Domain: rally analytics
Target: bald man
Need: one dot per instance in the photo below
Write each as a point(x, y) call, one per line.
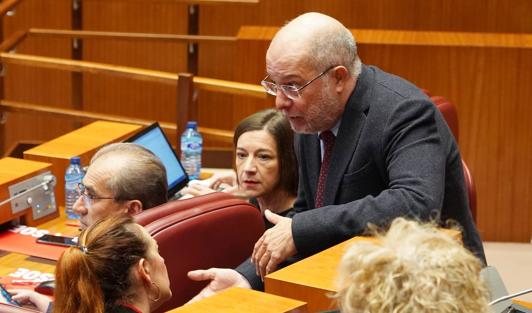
point(371, 147)
point(122, 178)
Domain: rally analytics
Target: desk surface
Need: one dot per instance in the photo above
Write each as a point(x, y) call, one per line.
point(312, 279)
point(83, 140)
point(239, 300)
point(10, 262)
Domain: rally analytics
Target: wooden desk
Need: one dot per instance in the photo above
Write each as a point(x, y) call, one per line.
point(239, 300)
point(312, 279)
point(83, 142)
point(11, 262)
point(13, 171)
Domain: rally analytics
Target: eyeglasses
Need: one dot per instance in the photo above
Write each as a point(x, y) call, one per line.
point(87, 198)
point(290, 91)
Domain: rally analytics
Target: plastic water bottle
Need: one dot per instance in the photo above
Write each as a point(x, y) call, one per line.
point(191, 147)
point(73, 176)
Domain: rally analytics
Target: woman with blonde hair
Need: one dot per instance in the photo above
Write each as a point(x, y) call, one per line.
point(411, 268)
point(116, 268)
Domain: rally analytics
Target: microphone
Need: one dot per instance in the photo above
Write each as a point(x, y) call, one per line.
point(508, 297)
point(48, 182)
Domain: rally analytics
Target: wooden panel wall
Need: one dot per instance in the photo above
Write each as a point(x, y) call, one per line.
point(450, 15)
point(41, 86)
point(494, 126)
point(132, 97)
point(489, 86)
point(238, 63)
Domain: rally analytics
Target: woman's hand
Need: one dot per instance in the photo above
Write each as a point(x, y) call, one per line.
point(196, 190)
point(24, 296)
point(225, 182)
point(222, 180)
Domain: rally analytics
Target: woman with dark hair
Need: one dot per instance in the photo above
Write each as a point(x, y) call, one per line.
point(265, 163)
point(115, 269)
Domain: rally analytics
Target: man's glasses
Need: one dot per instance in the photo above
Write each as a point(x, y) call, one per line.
point(290, 91)
point(87, 198)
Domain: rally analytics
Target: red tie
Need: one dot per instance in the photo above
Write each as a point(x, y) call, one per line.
point(328, 143)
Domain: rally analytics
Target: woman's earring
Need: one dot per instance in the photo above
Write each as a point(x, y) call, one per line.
point(158, 293)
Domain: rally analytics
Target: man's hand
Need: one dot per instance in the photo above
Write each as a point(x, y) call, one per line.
point(24, 296)
point(221, 279)
point(275, 246)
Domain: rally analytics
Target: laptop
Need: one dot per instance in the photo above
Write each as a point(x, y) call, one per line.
point(154, 139)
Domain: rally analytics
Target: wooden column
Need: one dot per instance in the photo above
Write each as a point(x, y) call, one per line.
point(186, 106)
point(193, 29)
point(77, 54)
point(2, 86)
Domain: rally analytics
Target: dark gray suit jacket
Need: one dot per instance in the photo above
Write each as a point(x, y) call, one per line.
point(393, 156)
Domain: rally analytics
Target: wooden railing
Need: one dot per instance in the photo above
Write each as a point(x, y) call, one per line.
point(8, 5)
point(186, 83)
point(186, 107)
point(77, 115)
point(204, 1)
point(85, 34)
point(202, 83)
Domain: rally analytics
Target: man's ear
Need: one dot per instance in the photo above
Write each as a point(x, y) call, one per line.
point(133, 207)
point(341, 74)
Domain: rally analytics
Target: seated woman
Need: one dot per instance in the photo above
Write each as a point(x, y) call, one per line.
point(265, 163)
point(412, 268)
point(115, 269)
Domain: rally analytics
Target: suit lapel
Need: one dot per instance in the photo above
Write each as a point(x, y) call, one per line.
point(348, 136)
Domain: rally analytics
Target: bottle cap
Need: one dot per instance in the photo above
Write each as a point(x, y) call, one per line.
point(75, 160)
point(192, 124)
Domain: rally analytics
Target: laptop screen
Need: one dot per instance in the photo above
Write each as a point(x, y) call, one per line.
point(154, 139)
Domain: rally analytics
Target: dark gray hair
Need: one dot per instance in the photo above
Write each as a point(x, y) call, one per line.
point(141, 177)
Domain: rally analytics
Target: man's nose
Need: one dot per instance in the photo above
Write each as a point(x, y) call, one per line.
point(78, 207)
point(282, 102)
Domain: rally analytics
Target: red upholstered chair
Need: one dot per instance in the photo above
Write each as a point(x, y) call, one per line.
point(215, 230)
point(448, 111)
point(153, 214)
point(471, 190)
point(451, 117)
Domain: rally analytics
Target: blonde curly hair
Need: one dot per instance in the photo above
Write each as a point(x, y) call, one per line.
point(411, 268)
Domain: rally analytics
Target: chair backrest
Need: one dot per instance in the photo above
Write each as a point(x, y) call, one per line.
point(450, 115)
point(153, 214)
point(211, 231)
point(471, 190)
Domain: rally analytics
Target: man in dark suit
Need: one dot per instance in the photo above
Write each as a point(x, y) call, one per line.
point(371, 147)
